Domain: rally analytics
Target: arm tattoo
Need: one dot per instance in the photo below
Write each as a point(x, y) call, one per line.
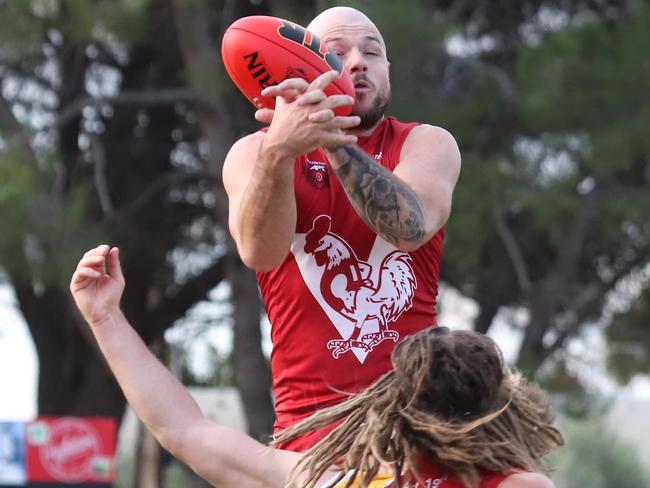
point(384, 202)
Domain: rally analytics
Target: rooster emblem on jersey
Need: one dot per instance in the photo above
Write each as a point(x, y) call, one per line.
point(347, 286)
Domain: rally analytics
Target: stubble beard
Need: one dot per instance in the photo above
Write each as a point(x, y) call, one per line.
point(371, 116)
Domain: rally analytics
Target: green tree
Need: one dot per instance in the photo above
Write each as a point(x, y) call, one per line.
point(101, 141)
point(550, 211)
point(546, 100)
point(114, 118)
point(629, 340)
point(595, 456)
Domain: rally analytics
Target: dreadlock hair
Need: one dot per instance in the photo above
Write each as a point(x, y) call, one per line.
point(447, 398)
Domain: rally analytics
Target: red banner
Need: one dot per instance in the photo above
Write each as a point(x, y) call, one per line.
point(71, 449)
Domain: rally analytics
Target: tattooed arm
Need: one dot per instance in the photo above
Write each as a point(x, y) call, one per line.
point(384, 202)
point(406, 207)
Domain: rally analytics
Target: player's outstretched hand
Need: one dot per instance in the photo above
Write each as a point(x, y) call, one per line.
point(289, 89)
point(297, 89)
point(310, 121)
point(97, 284)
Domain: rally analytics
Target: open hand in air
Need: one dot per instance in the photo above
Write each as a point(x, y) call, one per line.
point(97, 284)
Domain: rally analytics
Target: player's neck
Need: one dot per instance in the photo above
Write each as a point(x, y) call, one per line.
point(366, 132)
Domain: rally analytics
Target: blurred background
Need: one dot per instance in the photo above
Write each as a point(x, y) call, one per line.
point(115, 117)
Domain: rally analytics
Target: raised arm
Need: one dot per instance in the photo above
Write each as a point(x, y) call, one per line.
point(258, 172)
point(408, 206)
point(223, 456)
point(262, 207)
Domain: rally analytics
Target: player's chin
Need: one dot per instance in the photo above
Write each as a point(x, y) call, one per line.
point(362, 105)
point(361, 97)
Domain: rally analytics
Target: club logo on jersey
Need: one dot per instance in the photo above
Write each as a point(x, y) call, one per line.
point(315, 173)
point(361, 298)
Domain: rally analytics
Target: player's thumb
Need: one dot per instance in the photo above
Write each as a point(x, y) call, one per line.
point(114, 266)
point(264, 115)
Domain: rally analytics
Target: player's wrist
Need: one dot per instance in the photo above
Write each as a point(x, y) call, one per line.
point(107, 319)
point(274, 154)
point(336, 155)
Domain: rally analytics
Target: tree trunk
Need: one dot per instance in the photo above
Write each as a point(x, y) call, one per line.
point(485, 317)
point(252, 372)
point(73, 378)
point(543, 308)
point(198, 46)
point(148, 463)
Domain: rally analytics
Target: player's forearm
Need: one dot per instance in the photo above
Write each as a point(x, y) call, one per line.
point(267, 213)
point(162, 403)
point(384, 202)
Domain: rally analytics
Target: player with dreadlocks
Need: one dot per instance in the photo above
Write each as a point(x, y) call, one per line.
point(447, 410)
point(446, 415)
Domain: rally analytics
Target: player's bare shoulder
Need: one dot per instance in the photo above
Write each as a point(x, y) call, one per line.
point(432, 150)
point(240, 160)
point(245, 145)
point(427, 137)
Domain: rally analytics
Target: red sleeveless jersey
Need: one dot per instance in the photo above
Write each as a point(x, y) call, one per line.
point(430, 477)
point(433, 477)
point(342, 297)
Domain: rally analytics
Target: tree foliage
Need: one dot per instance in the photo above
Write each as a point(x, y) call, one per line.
point(115, 117)
point(595, 456)
point(550, 212)
point(629, 341)
point(103, 141)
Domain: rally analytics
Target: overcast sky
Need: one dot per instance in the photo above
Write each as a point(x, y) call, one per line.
point(18, 368)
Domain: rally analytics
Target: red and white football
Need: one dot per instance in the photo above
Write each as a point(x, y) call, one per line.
point(261, 51)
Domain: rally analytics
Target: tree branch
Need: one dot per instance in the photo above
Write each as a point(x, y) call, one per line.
point(174, 307)
point(164, 96)
point(568, 258)
point(590, 298)
point(18, 69)
point(14, 133)
point(159, 184)
point(513, 250)
point(99, 174)
point(197, 49)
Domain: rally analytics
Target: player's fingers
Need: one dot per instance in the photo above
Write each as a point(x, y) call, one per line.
point(264, 115)
point(343, 122)
point(299, 84)
point(334, 101)
point(81, 278)
point(92, 261)
point(321, 116)
point(100, 250)
point(86, 273)
point(290, 84)
point(323, 80)
point(289, 94)
point(312, 97)
point(113, 265)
